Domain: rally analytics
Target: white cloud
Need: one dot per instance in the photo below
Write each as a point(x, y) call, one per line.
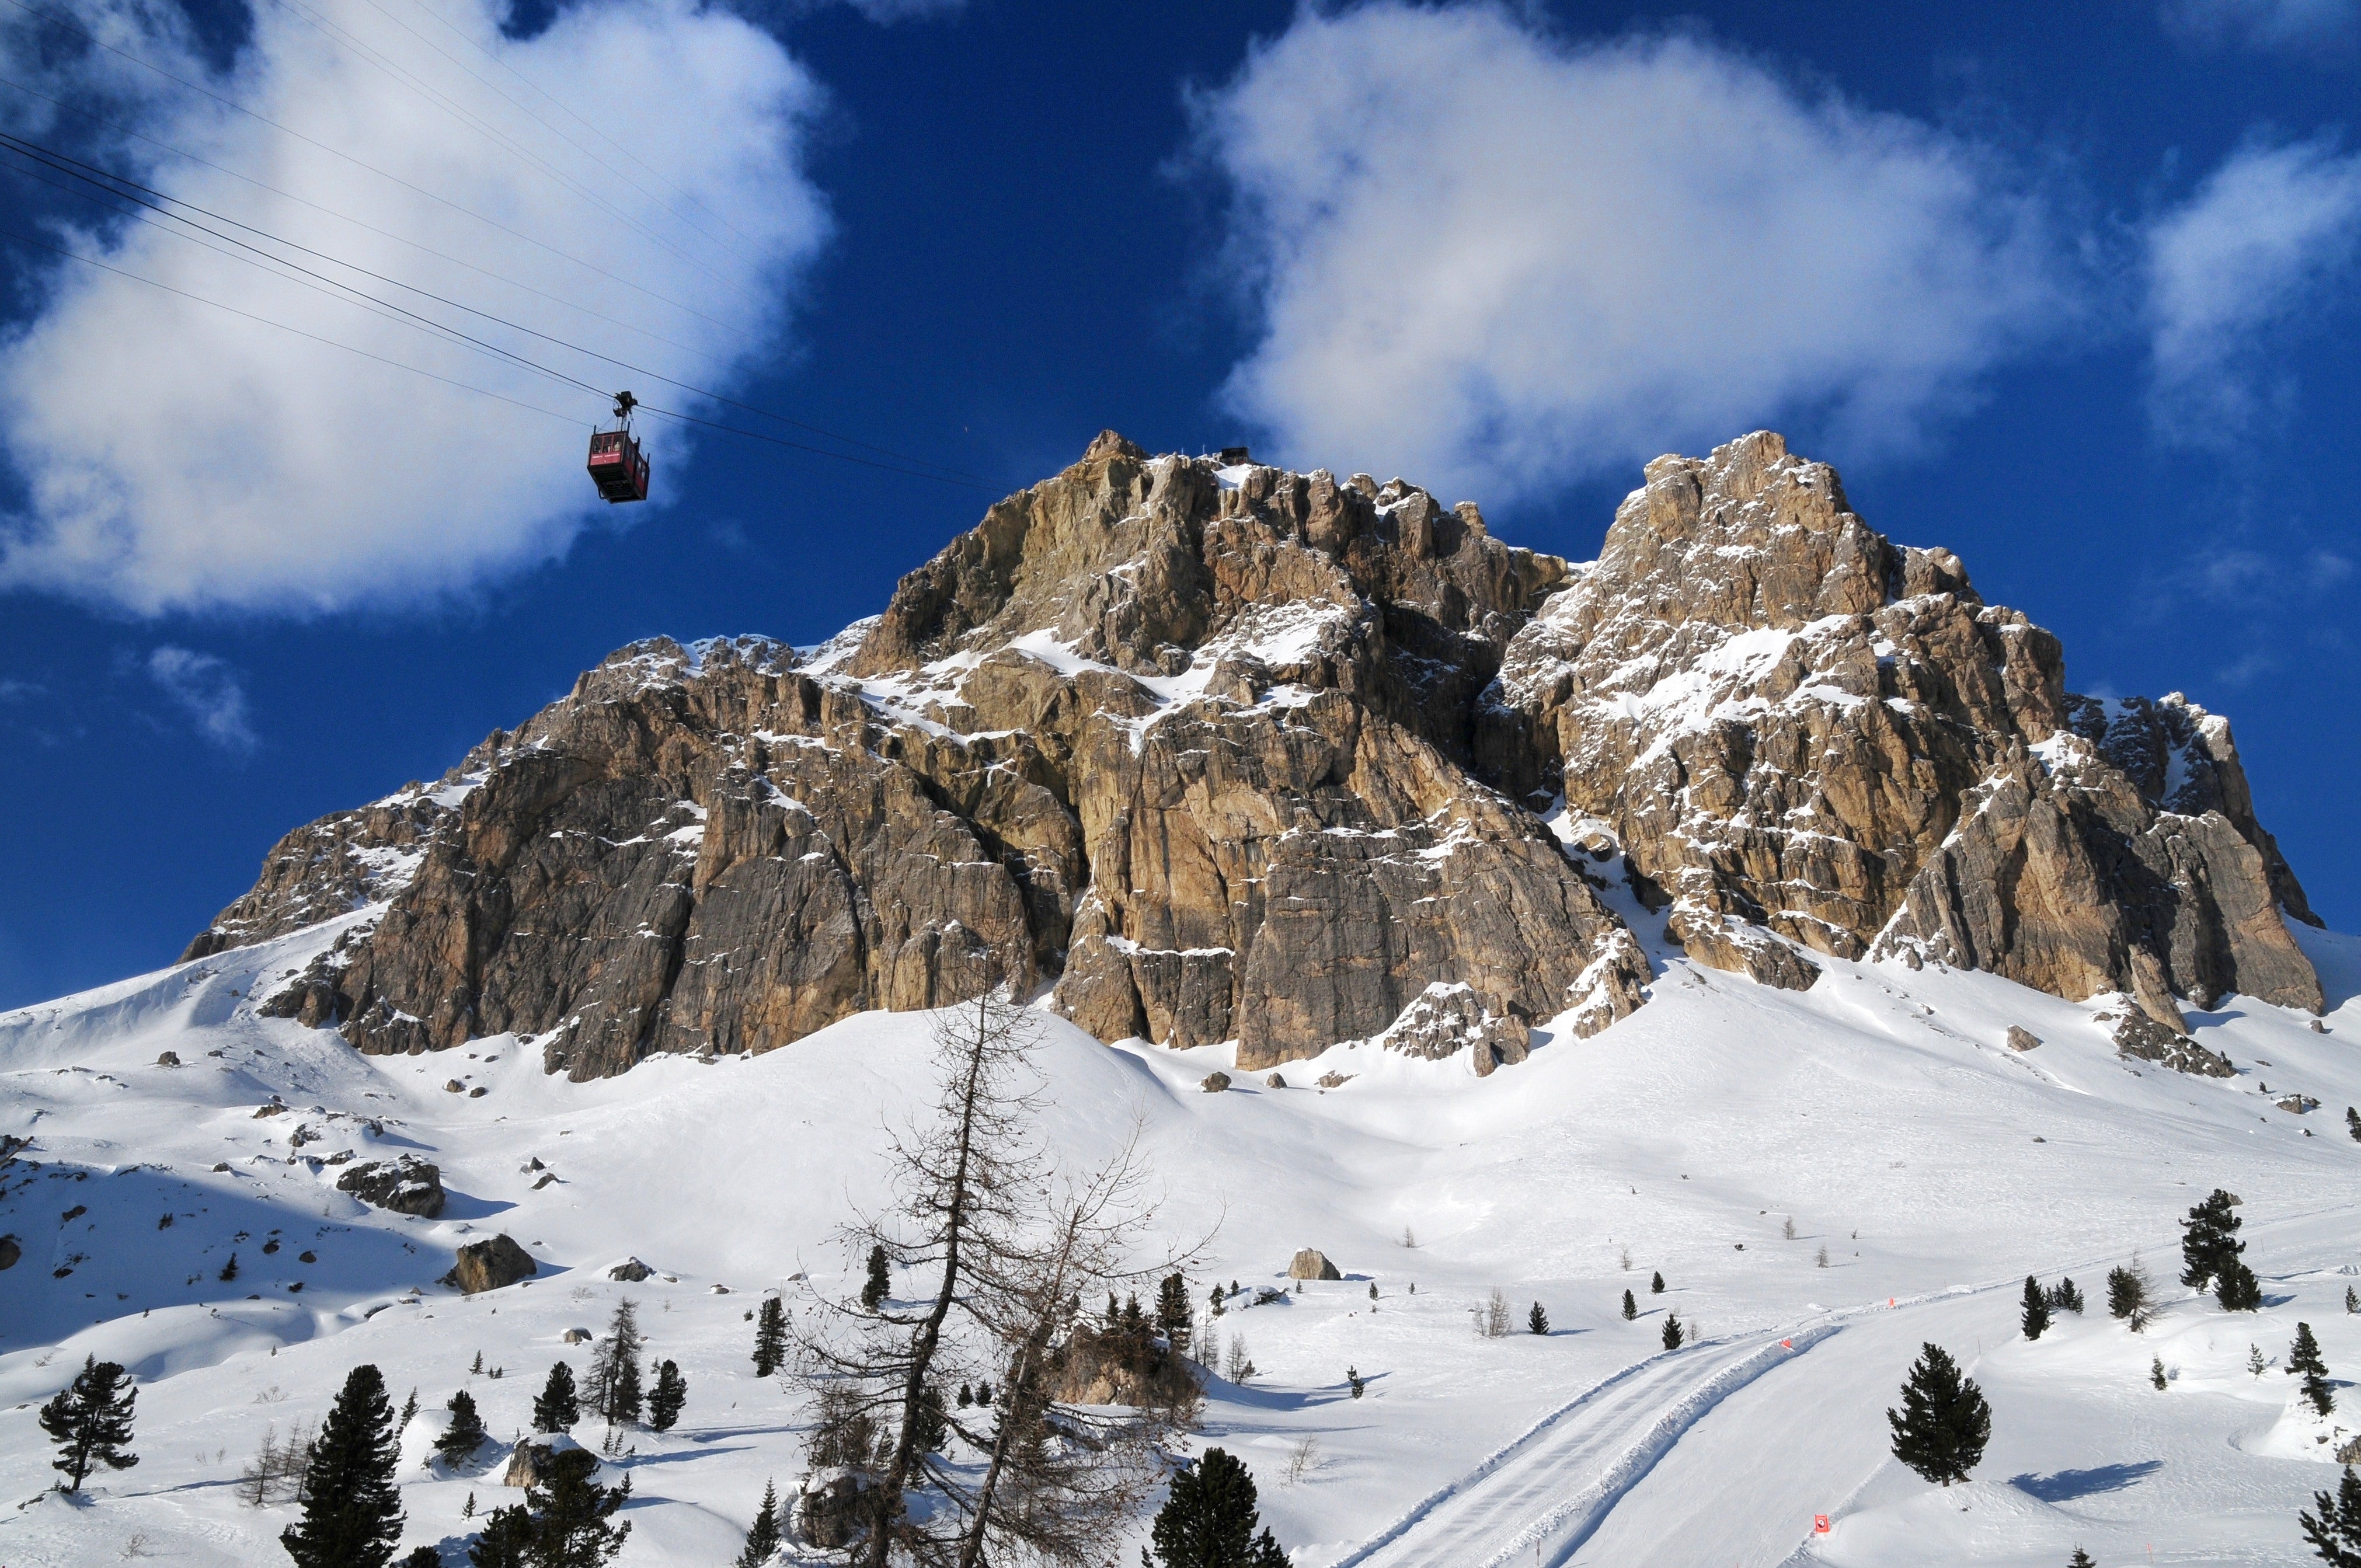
point(1493, 262)
point(2260, 238)
point(2262, 24)
point(208, 691)
point(179, 457)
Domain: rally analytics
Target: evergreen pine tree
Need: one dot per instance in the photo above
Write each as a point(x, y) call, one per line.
point(1214, 1300)
point(966, 1397)
point(423, 1557)
point(1173, 1317)
point(1209, 1520)
point(666, 1399)
point(2353, 1123)
point(352, 1509)
point(90, 1420)
point(2256, 1365)
point(2081, 1558)
point(2237, 1288)
point(763, 1539)
point(1944, 1422)
point(2351, 1300)
point(2209, 1241)
point(615, 1369)
point(933, 1429)
point(506, 1538)
point(466, 1433)
point(2035, 1317)
point(2303, 1359)
point(1537, 1320)
point(229, 1269)
point(556, 1408)
point(770, 1336)
point(1630, 1308)
point(1656, 1284)
point(2336, 1534)
point(1672, 1330)
point(570, 1510)
point(2066, 1296)
point(2155, 1373)
point(872, 1291)
point(409, 1409)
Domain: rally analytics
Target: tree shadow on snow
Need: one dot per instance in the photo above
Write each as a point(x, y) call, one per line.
point(2065, 1485)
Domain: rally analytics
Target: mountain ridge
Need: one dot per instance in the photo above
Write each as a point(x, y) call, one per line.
point(1236, 754)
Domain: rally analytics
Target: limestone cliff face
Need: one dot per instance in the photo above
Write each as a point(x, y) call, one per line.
point(1793, 726)
point(1248, 755)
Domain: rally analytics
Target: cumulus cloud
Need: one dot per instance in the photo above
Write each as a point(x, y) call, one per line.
point(1493, 260)
point(207, 691)
point(2262, 24)
point(179, 456)
point(2231, 268)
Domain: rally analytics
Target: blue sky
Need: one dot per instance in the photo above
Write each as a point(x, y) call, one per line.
point(2070, 291)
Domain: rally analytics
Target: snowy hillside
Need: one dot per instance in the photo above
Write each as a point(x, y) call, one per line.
point(1880, 1109)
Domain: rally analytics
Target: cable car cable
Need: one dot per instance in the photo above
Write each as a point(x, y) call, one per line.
point(299, 136)
point(401, 76)
point(563, 107)
point(527, 110)
point(120, 272)
point(344, 217)
point(94, 174)
point(479, 343)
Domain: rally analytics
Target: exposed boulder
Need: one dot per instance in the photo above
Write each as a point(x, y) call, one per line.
point(2142, 1038)
point(10, 1251)
point(834, 1507)
point(631, 1270)
point(1214, 1082)
point(489, 1265)
point(1312, 1264)
point(1275, 1080)
point(406, 1186)
point(2299, 1104)
point(2023, 1039)
point(1445, 1019)
point(1101, 1364)
point(529, 1466)
point(168, 1058)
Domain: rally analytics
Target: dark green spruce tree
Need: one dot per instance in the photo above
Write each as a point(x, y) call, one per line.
point(466, 1433)
point(2237, 1288)
point(615, 1369)
point(873, 1290)
point(2304, 1360)
point(2081, 1558)
point(666, 1399)
point(352, 1509)
point(1172, 1316)
point(1537, 1320)
point(762, 1536)
point(2035, 1316)
point(557, 1407)
point(506, 1538)
point(2335, 1531)
point(90, 1420)
point(770, 1336)
point(571, 1512)
point(1673, 1335)
point(1209, 1520)
point(1656, 1283)
point(2209, 1240)
point(1630, 1308)
point(1943, 1424)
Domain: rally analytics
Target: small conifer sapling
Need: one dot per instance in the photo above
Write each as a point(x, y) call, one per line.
point(1672, 1335)
point(770, 1336)
point(2303, 1360)
point(763, 1538)
point(1630, 1306)
point(2156, 1371)
point(1537, 1320)
point(1656, 1284)
point(873, 1290)
point(2036, 1315)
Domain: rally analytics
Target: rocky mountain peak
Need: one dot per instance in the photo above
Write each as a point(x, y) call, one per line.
point(1231, 752)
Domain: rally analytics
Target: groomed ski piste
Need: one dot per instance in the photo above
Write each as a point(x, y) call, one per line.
point(1881, 1110)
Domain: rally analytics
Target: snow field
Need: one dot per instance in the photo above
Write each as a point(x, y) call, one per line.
point(1880, 1111)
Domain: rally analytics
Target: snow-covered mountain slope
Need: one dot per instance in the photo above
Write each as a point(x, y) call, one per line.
point(1880, 1109)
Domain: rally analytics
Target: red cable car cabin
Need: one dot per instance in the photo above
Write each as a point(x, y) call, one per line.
point(618, 465)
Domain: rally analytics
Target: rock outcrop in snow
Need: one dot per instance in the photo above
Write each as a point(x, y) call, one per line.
point(1239, 754)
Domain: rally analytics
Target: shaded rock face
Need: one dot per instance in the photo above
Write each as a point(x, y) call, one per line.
point(406, 1186)
point(1235, 754)
point(1794, 727)
point(489, 1265)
